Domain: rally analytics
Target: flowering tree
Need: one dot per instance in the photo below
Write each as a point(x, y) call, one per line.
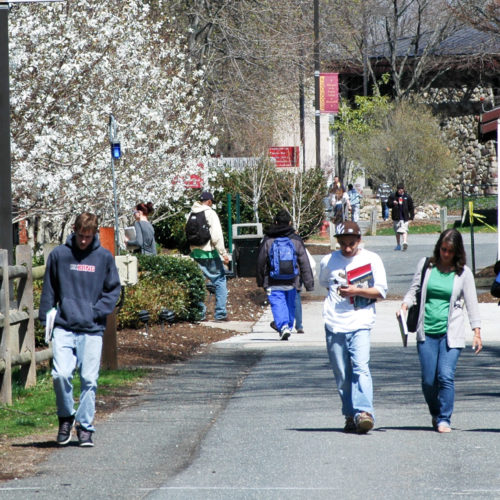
point(71, 66)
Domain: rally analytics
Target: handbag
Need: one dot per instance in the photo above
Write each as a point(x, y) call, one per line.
point(413, 311)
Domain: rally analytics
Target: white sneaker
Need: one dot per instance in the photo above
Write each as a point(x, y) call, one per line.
point(285, 333)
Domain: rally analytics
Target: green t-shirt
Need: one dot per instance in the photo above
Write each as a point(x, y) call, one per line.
point(437, 301)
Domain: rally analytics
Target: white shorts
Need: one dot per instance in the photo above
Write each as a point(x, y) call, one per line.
point(400, 226)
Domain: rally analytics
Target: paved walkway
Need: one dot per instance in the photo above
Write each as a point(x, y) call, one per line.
point(386, 330)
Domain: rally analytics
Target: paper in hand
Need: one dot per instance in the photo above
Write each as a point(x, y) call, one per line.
point(49, 324)
point(403, 327)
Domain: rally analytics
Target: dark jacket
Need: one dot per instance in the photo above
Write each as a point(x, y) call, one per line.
point(84, 285)
point(408, 209)
point(263, 265)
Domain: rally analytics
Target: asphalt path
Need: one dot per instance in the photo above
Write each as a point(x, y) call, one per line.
point(257, 418)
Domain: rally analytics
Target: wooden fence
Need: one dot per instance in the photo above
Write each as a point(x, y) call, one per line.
point(17, 328)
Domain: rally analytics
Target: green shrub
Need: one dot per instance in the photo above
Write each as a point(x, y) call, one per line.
point(183, 271)
point(153, 294)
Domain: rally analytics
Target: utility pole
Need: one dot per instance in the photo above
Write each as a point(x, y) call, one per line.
point(6, 230)
point(6, 240)
point(317, 113)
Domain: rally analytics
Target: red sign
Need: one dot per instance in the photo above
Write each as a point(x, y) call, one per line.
point(329, 92)
point(287, 156)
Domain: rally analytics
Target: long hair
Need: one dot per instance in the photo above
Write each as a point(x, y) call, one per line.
point(453, 237)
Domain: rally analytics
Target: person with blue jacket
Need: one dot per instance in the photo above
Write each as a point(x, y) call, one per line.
point(282, 291)
point(82, 282)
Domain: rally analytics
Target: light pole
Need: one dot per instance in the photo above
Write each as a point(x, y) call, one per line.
point(6, 236)
point(317, 112)
point(115, 155)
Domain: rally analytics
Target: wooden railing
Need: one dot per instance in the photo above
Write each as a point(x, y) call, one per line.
point(17, 329)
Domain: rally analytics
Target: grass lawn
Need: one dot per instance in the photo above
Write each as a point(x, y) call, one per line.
point(34, 409)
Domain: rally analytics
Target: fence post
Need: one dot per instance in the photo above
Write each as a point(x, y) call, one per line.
point(373, 221)
point(26, 330)
point(443, 218)
point(5, 354)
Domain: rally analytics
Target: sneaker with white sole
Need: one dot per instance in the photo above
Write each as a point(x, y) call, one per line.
point(84, 437)
point(285, 333)
point(65, 427)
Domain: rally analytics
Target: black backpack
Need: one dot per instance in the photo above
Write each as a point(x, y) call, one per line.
point(197, 229)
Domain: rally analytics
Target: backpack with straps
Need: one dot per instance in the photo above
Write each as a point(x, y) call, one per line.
point(197, 229)
point(283, 259)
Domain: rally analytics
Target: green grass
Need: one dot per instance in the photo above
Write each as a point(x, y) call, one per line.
point(34, 409)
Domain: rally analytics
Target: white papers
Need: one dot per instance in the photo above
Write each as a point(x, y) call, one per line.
point(49, 324)
point(130, 233)
point(403, 328)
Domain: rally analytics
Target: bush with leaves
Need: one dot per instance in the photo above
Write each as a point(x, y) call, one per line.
point(153, 294)
point(185, 272)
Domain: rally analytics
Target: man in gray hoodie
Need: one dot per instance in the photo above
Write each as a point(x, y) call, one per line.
point(82, 282)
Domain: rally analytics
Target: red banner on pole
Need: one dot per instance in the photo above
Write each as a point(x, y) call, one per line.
point(329, 92)
point(287, 156)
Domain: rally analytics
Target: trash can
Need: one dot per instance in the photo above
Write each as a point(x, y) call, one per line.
point(245, 249)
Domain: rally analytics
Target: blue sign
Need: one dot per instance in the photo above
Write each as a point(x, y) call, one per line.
point(116, 151)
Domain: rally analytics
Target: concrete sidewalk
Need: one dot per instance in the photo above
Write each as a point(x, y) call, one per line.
point(386, 330)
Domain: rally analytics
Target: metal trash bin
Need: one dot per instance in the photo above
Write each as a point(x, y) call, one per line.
point(245, 249)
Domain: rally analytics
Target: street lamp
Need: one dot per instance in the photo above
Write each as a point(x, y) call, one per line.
point(116, 154)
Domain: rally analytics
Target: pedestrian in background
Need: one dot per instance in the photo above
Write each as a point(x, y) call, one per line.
point(355, 278)
point(209, 251)
point(447, 285)
point(281, 279)
point(340, 206)
point(383, 192)
point(144, 230)
point(402, 212)
point(82, 282)
point(354, 201)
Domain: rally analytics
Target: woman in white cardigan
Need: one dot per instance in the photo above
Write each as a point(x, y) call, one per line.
point(448, 283)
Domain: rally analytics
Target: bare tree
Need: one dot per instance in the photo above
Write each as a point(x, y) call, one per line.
point(482, 14)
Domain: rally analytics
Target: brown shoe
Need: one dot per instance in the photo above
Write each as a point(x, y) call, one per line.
point(364, 422)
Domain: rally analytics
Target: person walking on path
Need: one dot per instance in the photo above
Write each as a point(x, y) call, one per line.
point(354, 201)
point(282, 267)
point(383, 192)
point(340, 206)
point(355, 278)
point(447, 284)
point(82, 282)
point(208, 250)
point(402, 211)
point(144, 230)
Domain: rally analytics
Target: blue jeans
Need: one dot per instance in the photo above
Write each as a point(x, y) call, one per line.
point(385, 210)
point(283, 307)
point(355, 213)
point(83, 352)
point(298, 312)
point(213, 269)
point(438, 363)
point(349, 355)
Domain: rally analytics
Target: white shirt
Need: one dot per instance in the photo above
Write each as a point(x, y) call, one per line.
point(338, 312)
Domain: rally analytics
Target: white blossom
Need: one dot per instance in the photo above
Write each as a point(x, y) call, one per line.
point(73, 64)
